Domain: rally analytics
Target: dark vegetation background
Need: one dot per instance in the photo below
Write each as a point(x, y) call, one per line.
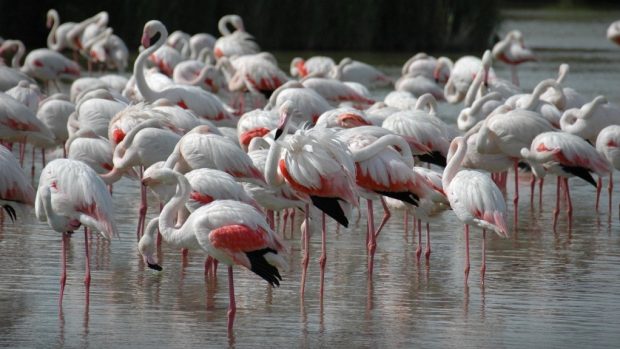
point(394, 25)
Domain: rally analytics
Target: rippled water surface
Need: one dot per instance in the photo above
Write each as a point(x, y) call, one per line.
point(543, 288)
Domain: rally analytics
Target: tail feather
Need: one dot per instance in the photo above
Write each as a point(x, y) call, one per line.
point(405, 196)
point(331, 207)
point(261, 267)
point(580, 172)
point(433, 157)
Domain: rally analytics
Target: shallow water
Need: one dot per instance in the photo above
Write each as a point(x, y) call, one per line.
point(543, 288)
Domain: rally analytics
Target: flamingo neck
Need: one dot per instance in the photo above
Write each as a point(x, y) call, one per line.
point(454, 162)
point(590, 108)
point(222, 25)
point(472, 91)
point(271, 163)
point(539, 90)
point(381, 144)
point(53, 42)
point(181, 236)
point(138, 68)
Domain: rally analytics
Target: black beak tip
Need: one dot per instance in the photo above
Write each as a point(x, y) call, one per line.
point(155, 267)
point(278, 134)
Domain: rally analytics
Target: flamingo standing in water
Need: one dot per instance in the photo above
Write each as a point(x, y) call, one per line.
point(511, 50)
point(15, 188)
point(232, 232)
point(71, 194)
point(320, 168)
point(608, 144)
point(475, 200)
point(565, 155)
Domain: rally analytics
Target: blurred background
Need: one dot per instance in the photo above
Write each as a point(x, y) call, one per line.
point(394, 25)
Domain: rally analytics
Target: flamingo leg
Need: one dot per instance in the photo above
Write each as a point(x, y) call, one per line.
point(569, 209)
point(63, 276)
point(43, 162)
point(516, 199)
point(541, 182)
point(87, 260)
point(323, 259)
point(513, 73)
point(418, 250)
point(143, 207)
point(292, 216)
point(610, 190)
point(532, 189)
point(386, 216)
point(372, 244)
point(306, 257)
point(271, 219)
point(22, 153)
point(285, 221)
point(556, 211)
point(483, 268)
point(427, 253)
point(406, 222)
point(466, 271)
point(232, 305)
point(32, 168)
point(599, 185)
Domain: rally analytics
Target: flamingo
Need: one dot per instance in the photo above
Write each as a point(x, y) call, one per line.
point(255, 123)
point(201, 102)
point(165, 59)
point(71, 194)
point(343, 117)
point(335, 91)
point(257, 73)
point(93, 150)
point(533, 101)
point(317, 65)
point(511, 50)
point(199, 42)
point(28, 94)
point(591, 118)
point(201, 148)
point(237, 43)
point(378, 112)
point(319, 167)
point(15, 188)
point(607, 144)
point(461, 76)
point(308, 103)
point(478, 111)
point(54, 113)
point(421, 64)
point(402, 100)
point(566, 155)
point(95, 114)
point(569, 98)
point(232, 232)
point(360, 72)
point(475, 200)
point(11, 76)
point(57, 39)
point(613, 32)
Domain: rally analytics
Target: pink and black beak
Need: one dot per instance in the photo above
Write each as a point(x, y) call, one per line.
point(286, 111)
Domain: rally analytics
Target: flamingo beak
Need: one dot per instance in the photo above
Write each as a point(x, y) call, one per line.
point(278, 134)
point(145, 41)
point(146, 181)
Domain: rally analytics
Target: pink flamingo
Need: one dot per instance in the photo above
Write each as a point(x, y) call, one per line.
point(15, 188)
point(319, 65)
point(566, 155)
point(608, 143)
point(511, 50)
point(255, 123)
point(319, 167)
point(204, 104)
point(71, 194)
point(237, 43)
point(475, 200)
point(232, 232)
point(308, 103)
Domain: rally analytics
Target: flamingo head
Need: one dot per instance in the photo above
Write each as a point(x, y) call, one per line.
point(151, 29)
point(160, 176)
point(286, 111)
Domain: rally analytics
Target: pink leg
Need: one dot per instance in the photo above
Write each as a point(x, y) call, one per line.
point(184, 254)
point(143, 207)
point(63, 276)
point(306, 257)
point(418, 250)
point(483, 268)
point(427, 253)
point(285, 221)
point(22, 153)
point(372, 244)
point(323, 259)
point(32, 168)
point(556, 211)
point(599, 185)
point(532, 189)
point(466, 253)
point(292, 216)
point(270, 219)
point(43, 162)
point(232, 306)
point(610, 190)
point(569, 209)
point(208, 265)
point(516, 199)
point(386, 217)
point(515, 77)
point(541, 182)
point(406, 222)
point(87, 257)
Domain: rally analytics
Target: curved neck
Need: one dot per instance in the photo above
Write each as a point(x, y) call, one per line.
point(340, 67)
point(202, 76)
point(478, 103)
point(274, 96)
point(222, 25)
point(271, 164)
point(590, 108)
point(138, 67)
point(205, 56)
point(539, 90)
point(472, 91)
point(562, 72)
point(454, 162)
point(170, 210)
point(53, 42)
point(381, 144)
point(427, 100)
point(21, 49)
